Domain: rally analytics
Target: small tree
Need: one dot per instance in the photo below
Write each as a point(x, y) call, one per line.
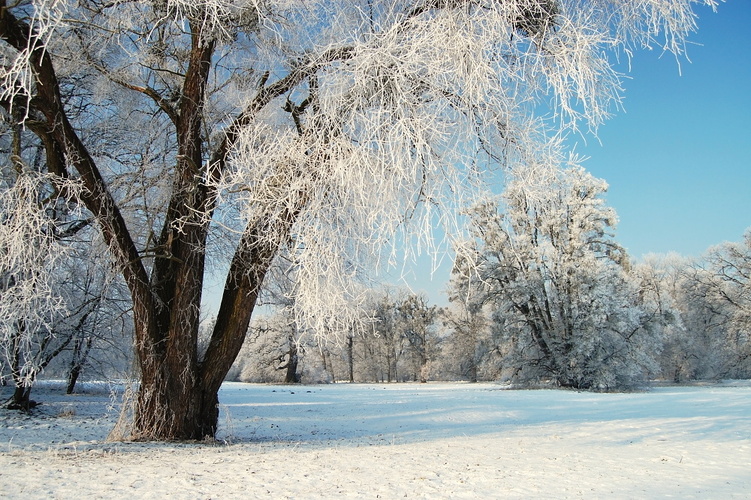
point(415, 321)
point(467, 344)
point(389, 341)
point(33, 221)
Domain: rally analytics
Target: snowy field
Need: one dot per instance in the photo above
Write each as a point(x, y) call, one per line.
point(395, 441)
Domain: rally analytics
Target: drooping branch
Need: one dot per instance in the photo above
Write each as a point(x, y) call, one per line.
point(67, 144)
point(256, 250)
point(268, 93)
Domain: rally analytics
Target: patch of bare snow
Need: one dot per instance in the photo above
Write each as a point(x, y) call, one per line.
point(438, 440)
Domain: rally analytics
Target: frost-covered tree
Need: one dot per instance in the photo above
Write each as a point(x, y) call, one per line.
point(701, 307)
point(59, 302)
point(31, 300)
point(273, 350)
point(688, 350)
point(731, 290)
point(96, 326)
point(566, 305)
point(58, 293)
point(388, 343)
point(416, 324)
point(716, 308)
point(322, 126)
point(467, 343)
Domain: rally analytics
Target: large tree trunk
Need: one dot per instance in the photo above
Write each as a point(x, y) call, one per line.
point(178, 396)
point(172, 406)
point(173, 402)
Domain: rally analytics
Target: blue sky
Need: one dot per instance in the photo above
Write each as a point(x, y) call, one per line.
point(678, 159)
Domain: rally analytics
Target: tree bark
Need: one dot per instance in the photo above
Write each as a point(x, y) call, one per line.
point(81, 349)
point(350, 357)
point(73, 375)
point(291, 376)
point(21, 399)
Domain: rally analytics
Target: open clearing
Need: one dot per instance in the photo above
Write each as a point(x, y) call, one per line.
point(438, 440)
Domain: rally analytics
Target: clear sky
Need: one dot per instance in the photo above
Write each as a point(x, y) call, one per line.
point(678, 159)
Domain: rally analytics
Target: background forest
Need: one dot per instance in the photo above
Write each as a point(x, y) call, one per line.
point(541, 295)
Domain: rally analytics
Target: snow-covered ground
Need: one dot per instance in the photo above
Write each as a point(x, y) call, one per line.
point(395, 441)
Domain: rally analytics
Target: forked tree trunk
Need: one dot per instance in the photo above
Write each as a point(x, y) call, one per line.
point(178, 400)
point(178, 395)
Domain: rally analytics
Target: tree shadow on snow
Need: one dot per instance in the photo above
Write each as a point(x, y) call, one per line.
point(356, 415)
